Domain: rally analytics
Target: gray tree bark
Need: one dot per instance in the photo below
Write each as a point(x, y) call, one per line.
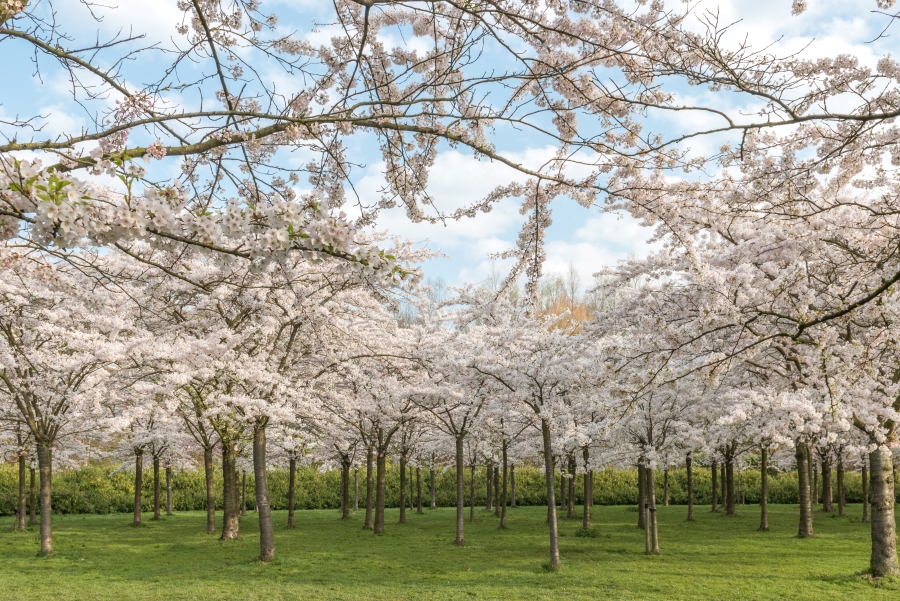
point(138, 484)
point(549, 471)
point(688, 463)
point(588, 490)
point(345, 493)
point(292, 484)
point(367, 524)
point(263, 505)
point(402, 489)
point(45, 468)
point(715, 495)
point(418, 489)
point(804, 456)
point(504, 490)
point(460, 493)
point(651, 496)
point(23, 507)
point(157, 508)
point(210, 492)
point(764, 489)
point(168, 490)
point(884, 529)
point(380, 474)
point(231, 511)
point(512, 485)
point(865, 491)
point(32, 504)
point(827, 492)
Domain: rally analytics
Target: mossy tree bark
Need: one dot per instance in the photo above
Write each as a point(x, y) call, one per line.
point(45, 468)
point(804, 456)
point(261, 486)
point(884, 529)
point(764, 489)
point(688, 464)
point(138, 484)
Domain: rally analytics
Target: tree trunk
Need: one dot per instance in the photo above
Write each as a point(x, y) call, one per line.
point(815, 479)
point(504, 491)
point(497, 490)
point(418, 489)
point(588, 491)
point(432, 483)
point(380, 475)
point(243, 493)
point(884, 528)
point(356, 489)
point(865, 491)
point(210, 492)
point(563, 489)
point(840, 485)
point(367, 524)
point(402, 489)
point(23, 507)
point(168, 490)
point(345, 472)
point(45, 467)
point(715, 492)
point(231, 512)
point(803, 455)
point(570, 508)
point(764, 490)
point(489, 497)
point(410, 495)
point(157, 508)
point(666, 487)
point(549, 471)
point(292, 489)
point(827, 492)
point(32, 505)
point(512, 485)
point(651, 495)
point(263, 506)
point(138, 483)
point(730, 509)
point(688, 463)
point(642, 497)
point(461, 493)
point(722, 487)
point(472, 494)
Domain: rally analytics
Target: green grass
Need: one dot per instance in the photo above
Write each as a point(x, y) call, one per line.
point(102, 557)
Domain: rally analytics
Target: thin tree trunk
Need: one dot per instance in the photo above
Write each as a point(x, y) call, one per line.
point(549, 470)
point(345, 493)
point(402, 489)
point(666, 487)
point(865, 491)
point(764, 490)
point(168, 490)
point(138, 483)
point(489, 500)
point(410, 495)
point(292, 489)
point(32, 505)
point(432, 483)
point(356, 489)
point(504, 491)
point(588, 490)
point(263, 506)
point(210, 492)
point(461, 493)
point(642, 496)
point(512, 485)
point(243, 493)
point(497, 490)
point(157, 508)
point(827, 492)
point(570, 508)
point(45, 467)
point(688, 463)
point(730, 509)
point(815, 480)
point(23, 507)
point(367, 524)
point(380, 474)
point(715, 493)
point(884, 528)
point(803, 454)
point(651, 495)
point(418, 489)
point(472, 494)
point(840, 485)
point(562, 485)
point(722, 487)
point(231, 512)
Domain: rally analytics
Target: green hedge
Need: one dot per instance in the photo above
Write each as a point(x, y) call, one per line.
point(94, 489)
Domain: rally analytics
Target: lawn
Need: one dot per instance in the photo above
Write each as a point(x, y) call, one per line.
point(102, 557)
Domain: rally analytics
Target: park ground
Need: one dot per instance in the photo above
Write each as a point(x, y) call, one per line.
point(103, 557)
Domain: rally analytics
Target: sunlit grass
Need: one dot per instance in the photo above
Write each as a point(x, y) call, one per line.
point(105, 558)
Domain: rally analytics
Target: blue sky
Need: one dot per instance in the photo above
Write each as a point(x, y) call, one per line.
point(586, 238)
